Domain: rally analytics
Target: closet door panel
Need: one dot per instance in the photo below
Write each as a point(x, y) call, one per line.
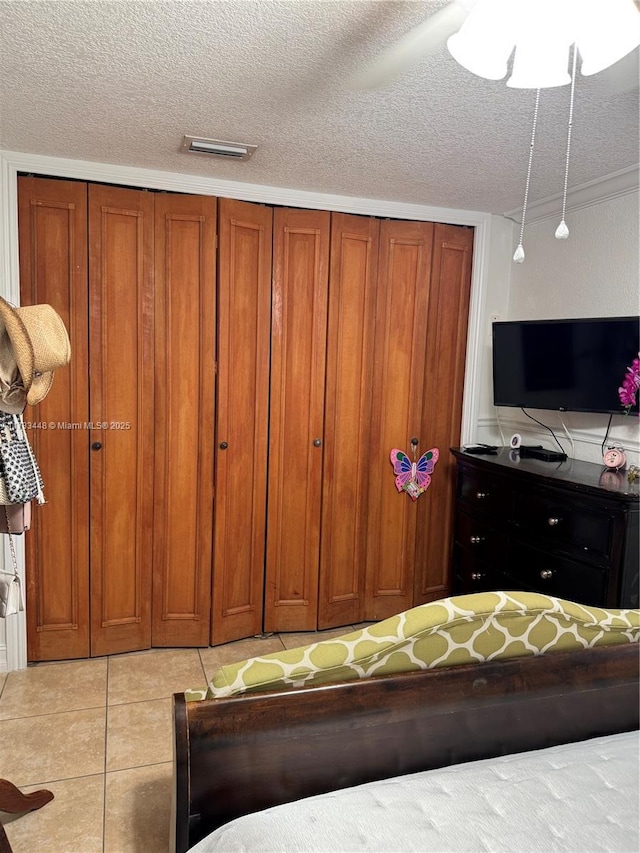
point(244, 307)
point(443, 390)
point(352, 294)
point(185, 239)
point(399, 369)
point(52, 222)
point(299, 330)
point(121, 407)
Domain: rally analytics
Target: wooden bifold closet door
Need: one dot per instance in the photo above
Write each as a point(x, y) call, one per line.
point(244, 318)
point(447, 321)
point(296, 418)
point(184, 380)
point(399, 366)
point(216, 455)
point(122, 417)
point(366, 357)
point(353, 280)
point(421, 323)
point(52, 221)
point(119, 558)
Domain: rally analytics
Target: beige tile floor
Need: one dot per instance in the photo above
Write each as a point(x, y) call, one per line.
point(98, 734)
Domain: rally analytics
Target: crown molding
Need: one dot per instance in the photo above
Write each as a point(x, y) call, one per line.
point(199, 185)
point(602, 189)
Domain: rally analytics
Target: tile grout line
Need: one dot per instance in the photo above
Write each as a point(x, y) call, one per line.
point(49, 714)
point(204, 671)
point(54, 781)
point(106, 747)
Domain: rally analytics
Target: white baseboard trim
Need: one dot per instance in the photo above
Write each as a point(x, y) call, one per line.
point(4, 664)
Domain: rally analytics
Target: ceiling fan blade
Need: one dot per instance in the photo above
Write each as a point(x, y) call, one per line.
point(420, 42)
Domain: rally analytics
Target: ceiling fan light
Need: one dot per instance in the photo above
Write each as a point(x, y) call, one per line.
point(540, 66)
point(486, 40)
point(485, 60)
point(605, 33)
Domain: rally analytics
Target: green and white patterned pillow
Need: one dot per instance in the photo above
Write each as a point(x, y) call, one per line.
point(459, 630)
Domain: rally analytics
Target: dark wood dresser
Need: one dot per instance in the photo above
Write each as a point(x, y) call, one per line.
point(569, 529)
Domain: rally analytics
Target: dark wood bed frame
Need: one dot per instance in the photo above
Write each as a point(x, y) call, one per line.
point(239, 755)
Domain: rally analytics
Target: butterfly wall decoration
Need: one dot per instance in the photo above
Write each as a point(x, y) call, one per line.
point(413, 477)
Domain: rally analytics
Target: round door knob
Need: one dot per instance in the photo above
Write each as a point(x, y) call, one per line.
point(545, 574)
point(553, 521)
point(97, 445)
point(317, 442)
point(223, 445)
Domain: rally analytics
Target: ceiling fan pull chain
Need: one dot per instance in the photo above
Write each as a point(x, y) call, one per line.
point(518, 255)
point(562, 231)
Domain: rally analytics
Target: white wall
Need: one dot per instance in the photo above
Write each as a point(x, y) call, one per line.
point(495, 307)
point(594, 273)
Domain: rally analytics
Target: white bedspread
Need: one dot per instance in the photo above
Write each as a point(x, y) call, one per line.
point(576, 797)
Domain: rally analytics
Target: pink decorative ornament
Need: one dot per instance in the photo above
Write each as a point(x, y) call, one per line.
point(413, 477)
point(628, 391)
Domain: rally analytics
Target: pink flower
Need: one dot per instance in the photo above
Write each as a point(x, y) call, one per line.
point(630, 385)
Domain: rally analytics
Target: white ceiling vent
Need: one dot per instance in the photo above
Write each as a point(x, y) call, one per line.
point(218, 148)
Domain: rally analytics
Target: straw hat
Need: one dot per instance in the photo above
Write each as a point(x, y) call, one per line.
point(39, 343)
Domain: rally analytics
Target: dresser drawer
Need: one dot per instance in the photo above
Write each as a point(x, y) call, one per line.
point(482, 541)
point(471, 574)
point(539, 571)
point(484, 495)
point(556, 521)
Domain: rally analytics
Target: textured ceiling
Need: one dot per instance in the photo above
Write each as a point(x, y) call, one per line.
point(122, 82)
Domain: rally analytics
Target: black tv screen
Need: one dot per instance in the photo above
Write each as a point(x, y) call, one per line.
point(565, 365)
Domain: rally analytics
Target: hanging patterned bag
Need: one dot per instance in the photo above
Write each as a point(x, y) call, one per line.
point(20, 478)
point(11, 599)
point(17, 518)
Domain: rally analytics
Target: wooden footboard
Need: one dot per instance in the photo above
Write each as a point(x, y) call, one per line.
point(239, 755)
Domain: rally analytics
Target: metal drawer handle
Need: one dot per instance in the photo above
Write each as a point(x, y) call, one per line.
point(482, 495)
point(476, 540)
point(553, 521)
point(477, 576)
point(545, 574)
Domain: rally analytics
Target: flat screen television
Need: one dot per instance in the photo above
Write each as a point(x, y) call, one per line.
point(564, 365)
